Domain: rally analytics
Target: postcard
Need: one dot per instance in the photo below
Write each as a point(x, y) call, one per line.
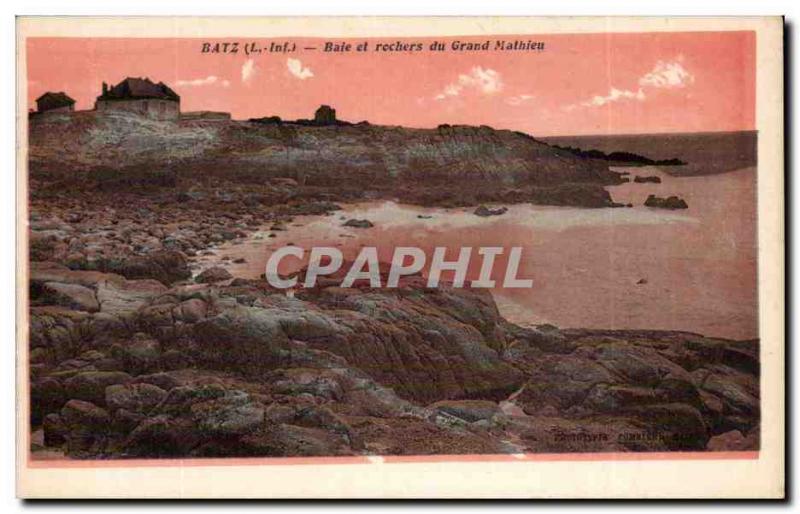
point(400, 257)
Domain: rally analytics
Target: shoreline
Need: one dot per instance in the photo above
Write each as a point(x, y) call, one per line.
point(129, 357)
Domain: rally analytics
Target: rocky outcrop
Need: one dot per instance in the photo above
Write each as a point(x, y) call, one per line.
point(672, 202)
point(446, 165)
point(243, 370)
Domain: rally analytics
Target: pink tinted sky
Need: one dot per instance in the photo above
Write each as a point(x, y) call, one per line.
point(580, 84)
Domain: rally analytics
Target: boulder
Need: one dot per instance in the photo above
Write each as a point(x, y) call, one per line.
point(730, 441)
point(74, 296)
point(47, 395)
point(140, 355)
point(55, 430)
point(122, 299)
point(287, 440)
point(137, 398)
point(161, 436)
point(672, 202)
point(485, 212)
point(354, 223)
point(78, 414)
point(211, 275)
point(468, 410)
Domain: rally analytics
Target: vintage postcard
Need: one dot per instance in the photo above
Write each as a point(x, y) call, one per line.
point(400, 257)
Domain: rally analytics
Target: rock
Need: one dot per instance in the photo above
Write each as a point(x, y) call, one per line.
point(140, 355)
point(125, 421)
point(164, 381)
point(468, 410)
point(55, 430)
point(165, 266)
point(137, 398)
point(291, 440)
point(74, 296)
point(735, 396)
point(90, 386)
point(358, 223)
point(679, 426)
point(123, 299)
point(277, 414)
point(211, 275)
point(78, 414)
point(299, 380)
point(485, 212)
point(325, 115)
point(232, 415)
point(44, 272)
point(732, 441)
point(175, 359)
point(247, 339)
point(47, 395)
point(644, 180)
point(672, 202)
point(162, 436)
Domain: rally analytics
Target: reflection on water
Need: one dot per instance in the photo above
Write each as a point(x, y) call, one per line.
point(638, 267)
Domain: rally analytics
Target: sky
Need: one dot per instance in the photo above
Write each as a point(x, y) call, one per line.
point(579, 83)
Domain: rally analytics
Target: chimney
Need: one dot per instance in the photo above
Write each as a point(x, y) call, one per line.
point(105, 88)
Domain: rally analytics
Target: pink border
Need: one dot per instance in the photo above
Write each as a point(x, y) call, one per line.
point(394, 459)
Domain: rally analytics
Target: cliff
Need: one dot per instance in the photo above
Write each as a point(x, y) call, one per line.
point(433, 166)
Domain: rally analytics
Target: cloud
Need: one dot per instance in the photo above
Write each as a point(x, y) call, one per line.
point(208, 81)
point(482, 80)
point(296, 68)
point(248, 70)
point(667, 75)
point(664, 75)
point(518, 99)
point(615, 95)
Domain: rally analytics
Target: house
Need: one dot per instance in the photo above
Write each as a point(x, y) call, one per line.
point(141, 96)
point(55, 102)
point(325, 115)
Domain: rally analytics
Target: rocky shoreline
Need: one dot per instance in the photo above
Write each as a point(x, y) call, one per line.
point(131, 358)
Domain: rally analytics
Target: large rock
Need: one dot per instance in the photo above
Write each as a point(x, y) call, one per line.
point(78, 414)
point(211, 275)
point(166, 266)
point(468, 410)
point(74, 296)
point(123, 299)
point(47, 395)
point(672, 202)
point(139, 398)
point(232, 415)
point(139, 355)
point(90, 386)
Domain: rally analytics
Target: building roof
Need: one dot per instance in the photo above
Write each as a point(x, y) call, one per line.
point(55, 99)
point(132, 88)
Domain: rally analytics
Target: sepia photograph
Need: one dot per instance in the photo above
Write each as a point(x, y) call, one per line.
point(297, 245)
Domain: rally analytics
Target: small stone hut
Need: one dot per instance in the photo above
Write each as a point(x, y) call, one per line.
point(55, 102)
